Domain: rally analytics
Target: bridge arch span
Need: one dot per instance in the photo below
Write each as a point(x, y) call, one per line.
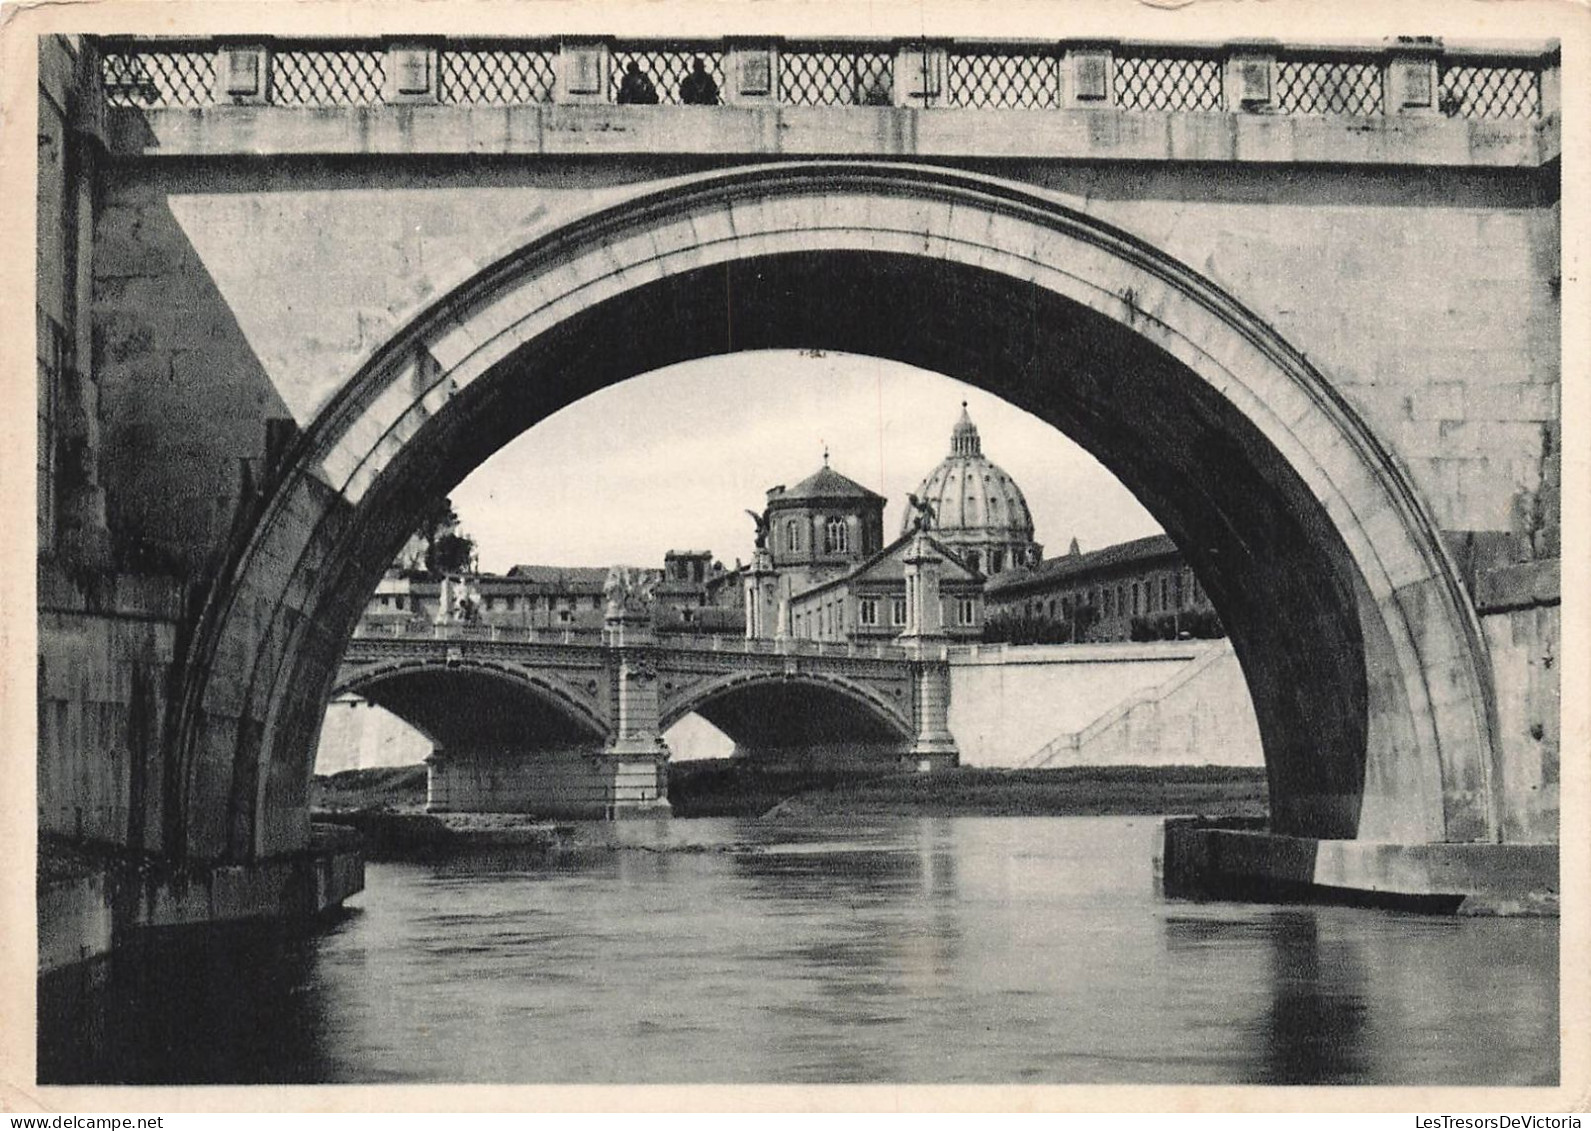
point(765, 710)
point(526, 695)
point(1370, 678)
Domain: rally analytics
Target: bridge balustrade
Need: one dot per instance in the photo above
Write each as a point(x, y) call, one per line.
point(1378, 80)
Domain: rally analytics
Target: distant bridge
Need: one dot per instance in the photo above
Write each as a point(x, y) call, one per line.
point(561, 723)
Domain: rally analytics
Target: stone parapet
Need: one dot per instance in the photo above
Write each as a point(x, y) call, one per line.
point(799, 131)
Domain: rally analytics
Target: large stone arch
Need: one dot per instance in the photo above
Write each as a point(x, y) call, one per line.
point(1368, 671)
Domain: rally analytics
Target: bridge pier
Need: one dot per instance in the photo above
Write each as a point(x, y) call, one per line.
point(933, 747)
point(1199, 858)
point(563, 784)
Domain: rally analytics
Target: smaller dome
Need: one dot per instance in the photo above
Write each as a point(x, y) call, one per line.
point(826, 483)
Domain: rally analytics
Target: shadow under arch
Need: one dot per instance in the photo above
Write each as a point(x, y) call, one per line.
point(772, 710)
point(1364, 659)
point(508, 707)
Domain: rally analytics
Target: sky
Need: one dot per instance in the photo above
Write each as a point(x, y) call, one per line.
point(672, 460)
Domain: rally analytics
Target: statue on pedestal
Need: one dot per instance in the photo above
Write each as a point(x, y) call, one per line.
point(762, 528)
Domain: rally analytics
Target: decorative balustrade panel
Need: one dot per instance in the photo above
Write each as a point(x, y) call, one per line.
point(835, 76)
point(161, 76)
point(154, 74)
point(1490, 90)
point(487, 75)
point(1328, 86)
point(328, 76)
point(666, 68)
point(1155, 81)
point(989, 78)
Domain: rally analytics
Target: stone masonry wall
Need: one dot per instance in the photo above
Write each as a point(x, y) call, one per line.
point(104, 664)
point(1007, 706)
point(230, 295)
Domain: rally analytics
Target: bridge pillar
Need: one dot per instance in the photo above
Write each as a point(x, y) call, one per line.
point(633, 763)
point(762, 598)
point(436, 791)
point(933, 747)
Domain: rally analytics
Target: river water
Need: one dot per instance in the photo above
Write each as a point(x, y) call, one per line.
point(911, 949)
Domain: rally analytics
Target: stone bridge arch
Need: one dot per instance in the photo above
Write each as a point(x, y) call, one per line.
point(530, 696)
point(1370, 677)
point(766, 712)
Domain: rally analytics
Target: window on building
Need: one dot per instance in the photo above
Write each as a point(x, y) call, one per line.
point(565, 616)
point(867, 611)
point(974, 561)
point(996, 561)
point(1110, 603)
point(836, 537)
point(399, 600)
point(897, 612)
point(1165, 593)
point(966, 611)
point(1052, 607)
point(1135, 609)
point(792, 535)
point(1121, 601)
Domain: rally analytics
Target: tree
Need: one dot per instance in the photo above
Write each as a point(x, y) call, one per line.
point(447, 549)
point(450, 553)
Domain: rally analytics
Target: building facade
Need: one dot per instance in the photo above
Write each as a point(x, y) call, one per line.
point(821, 529)
point(872, 603)
point(692, 593)
point(822, 571)
point(1138, 590)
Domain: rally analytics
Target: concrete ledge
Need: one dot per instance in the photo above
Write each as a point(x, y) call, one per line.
point(1091, 134)
point(1126, 652)
point(1202, 859)
point(84, 916)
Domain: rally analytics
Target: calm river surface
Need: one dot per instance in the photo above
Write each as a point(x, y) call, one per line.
point(897, 949)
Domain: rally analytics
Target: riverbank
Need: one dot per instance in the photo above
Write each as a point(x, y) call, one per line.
point(386, 805)
point(723, 788)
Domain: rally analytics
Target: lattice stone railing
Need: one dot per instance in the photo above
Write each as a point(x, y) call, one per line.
point(489, 74)
point(1404, 77)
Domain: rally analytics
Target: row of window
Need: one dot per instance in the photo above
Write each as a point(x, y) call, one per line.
point(401, 601)
point(836, 536)
point(1157, 595)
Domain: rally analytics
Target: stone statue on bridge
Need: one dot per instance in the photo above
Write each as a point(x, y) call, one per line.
point(628, 590)
point(762, 528)
point(459, 603)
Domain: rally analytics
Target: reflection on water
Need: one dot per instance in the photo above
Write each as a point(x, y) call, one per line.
point(904, 949)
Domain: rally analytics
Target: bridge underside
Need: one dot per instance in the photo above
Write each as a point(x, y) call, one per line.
point(1320, 664)
point(503, 747)
point(803, 727)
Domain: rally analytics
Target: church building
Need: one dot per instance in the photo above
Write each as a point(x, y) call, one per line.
point(822, 572)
